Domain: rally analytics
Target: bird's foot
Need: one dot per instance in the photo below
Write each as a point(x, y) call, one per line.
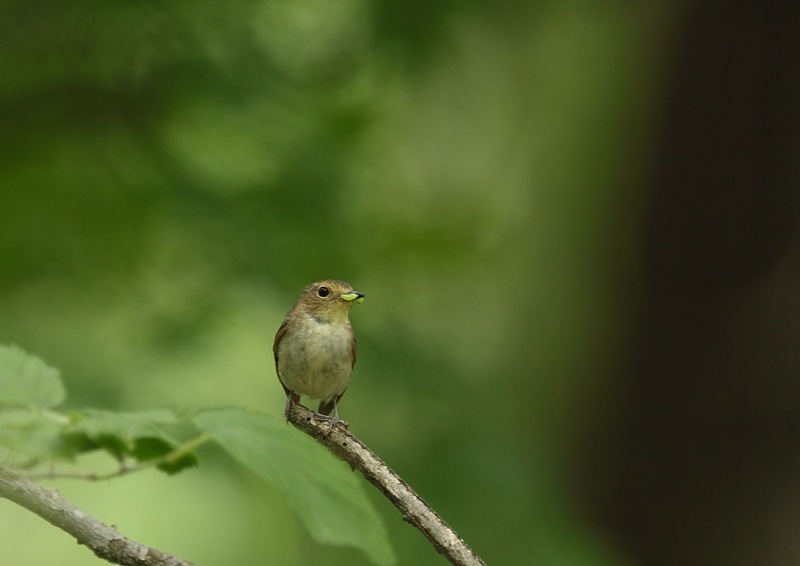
point(332, 421)
point(291, 399)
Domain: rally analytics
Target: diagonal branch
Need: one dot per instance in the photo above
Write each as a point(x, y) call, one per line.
point(350, 449)
point(102, 539)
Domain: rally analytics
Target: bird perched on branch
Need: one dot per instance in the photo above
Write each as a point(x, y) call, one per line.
point(315, 347)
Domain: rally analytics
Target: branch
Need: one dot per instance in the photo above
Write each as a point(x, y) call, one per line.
point(102, 539)
point(169, 458)
point(350, 449)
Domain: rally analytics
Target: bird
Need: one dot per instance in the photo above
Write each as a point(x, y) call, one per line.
point(315, 347)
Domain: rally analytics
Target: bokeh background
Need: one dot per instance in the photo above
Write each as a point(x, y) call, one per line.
point(576, 225)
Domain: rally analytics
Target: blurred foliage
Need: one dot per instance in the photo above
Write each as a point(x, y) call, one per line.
point(33, 432)
point(327, 498)
point(173, 174)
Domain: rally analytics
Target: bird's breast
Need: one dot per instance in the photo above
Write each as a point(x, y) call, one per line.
point(316, 358)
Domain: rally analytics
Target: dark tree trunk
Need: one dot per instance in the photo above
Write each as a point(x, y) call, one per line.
point(709, 466)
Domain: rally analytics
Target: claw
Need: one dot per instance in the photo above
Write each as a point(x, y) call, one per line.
point(291, 399)
point(332, 421)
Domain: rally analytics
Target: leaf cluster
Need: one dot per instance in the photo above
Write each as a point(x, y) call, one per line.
point(34, 431)
point(327, 497)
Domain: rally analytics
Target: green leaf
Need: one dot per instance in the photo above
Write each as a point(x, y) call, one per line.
point(327, 496)
point(26, 381)
point(149, 448)
point(124, 427)
point(31, 433)
point(138, 435)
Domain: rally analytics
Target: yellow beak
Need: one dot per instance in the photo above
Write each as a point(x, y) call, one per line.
point(353, 296)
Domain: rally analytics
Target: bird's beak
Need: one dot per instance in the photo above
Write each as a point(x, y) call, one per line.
point(354, 296)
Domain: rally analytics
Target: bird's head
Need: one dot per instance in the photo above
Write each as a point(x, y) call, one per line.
point(329, 300)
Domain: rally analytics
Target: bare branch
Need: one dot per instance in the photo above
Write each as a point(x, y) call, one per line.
point(102, 539)
point(350, 449)
point(123, 470)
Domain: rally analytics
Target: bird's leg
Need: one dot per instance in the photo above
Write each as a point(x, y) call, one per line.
point(325, 408)
point(335, 419)
point(291, 399)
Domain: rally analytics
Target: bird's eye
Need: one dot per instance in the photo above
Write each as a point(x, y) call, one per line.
point(323, 291)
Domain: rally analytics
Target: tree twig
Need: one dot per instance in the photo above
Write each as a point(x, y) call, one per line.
point(100, 538)
point(186, 448)
point(415, 511)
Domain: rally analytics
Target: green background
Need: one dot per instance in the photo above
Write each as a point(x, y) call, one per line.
point(172, 174)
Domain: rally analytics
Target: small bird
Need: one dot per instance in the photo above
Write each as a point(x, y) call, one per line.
point(315, 347)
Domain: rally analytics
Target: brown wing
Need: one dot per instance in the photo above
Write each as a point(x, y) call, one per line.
point(278, 337)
